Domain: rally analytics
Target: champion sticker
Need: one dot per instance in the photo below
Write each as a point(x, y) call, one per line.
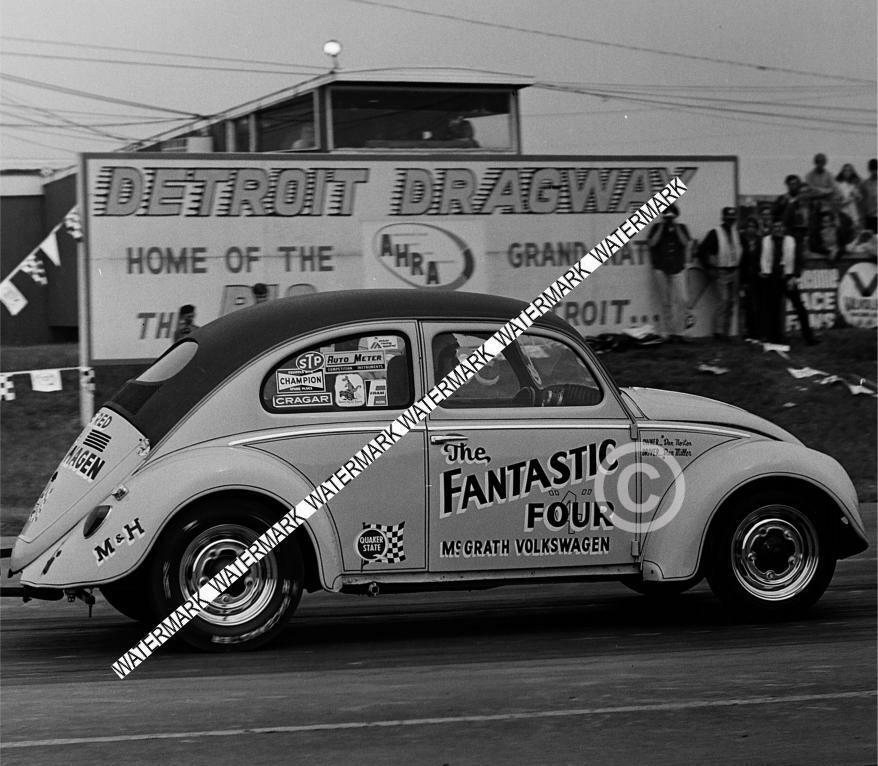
point(350, 390)
point(295, 380)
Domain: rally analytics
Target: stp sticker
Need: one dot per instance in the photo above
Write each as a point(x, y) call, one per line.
point(310, 361)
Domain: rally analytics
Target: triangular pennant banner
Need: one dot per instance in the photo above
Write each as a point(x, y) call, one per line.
point(11, 297)
point(50, 248)
point(33, 266)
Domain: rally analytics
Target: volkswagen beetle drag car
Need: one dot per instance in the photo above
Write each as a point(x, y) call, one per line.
point(538, 468)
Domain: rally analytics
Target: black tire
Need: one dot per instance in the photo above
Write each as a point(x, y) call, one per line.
point(770, 555)
point(197, 545)
point(130, 596)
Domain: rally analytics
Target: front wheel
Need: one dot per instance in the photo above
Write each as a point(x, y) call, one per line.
point(770, 555)
point(198, 545)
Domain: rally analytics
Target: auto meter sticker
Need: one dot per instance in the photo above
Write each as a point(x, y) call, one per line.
point(355, 361)
point(350, 390)
point(296, 381)
point(377, 393)
point(301, 400)
point(381, 543)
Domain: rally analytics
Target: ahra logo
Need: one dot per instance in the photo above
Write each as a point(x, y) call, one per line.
point(423, 255)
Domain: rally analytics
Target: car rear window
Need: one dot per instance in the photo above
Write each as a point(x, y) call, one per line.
point(169, 364)
point(355, 372)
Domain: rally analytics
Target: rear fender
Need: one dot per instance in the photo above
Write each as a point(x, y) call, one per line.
point(674, 551)
point(158, 492)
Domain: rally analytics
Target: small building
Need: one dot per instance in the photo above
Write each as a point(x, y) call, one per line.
point(372, 111)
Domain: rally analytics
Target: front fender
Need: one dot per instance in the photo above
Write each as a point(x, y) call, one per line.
point(155, 494)
point(674, 551)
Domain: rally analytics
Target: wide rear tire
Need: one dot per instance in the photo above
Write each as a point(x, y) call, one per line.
point(200, 543)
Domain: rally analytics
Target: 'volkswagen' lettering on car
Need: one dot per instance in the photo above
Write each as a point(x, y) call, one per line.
point(83, 461)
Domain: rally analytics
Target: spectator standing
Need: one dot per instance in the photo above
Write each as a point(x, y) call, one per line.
point(668, 243)
point(260, 293)
point(794, 210)
point(849, 195)
point(751, 279)
point(822, 189)
point(868, 198)
point(720, 253)
point(777, 264)
point(185, 322)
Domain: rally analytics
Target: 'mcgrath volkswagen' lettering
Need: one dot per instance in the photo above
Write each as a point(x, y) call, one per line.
point(527, 190)
point(226, 192)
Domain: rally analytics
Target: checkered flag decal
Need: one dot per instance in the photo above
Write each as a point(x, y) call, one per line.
point(7, 389)
point(87, 378)
point(394, 553)
point(33, 266)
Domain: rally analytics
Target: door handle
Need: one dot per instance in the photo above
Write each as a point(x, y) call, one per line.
point(447, 438)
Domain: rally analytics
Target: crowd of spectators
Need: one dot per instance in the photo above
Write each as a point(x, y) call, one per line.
point(761, 259)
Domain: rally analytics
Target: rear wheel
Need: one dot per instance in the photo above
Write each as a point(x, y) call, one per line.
point(198, 545)
point(770, 555)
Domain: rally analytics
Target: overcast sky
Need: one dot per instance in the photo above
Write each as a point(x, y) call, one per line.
point(802, 81)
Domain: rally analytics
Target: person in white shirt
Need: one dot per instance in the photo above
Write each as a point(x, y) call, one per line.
point(720, 253)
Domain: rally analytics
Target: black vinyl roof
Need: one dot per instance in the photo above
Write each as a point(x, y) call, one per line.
point(232, 341)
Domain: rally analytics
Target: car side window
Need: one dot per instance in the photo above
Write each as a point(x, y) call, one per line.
point(354, 372)
point(534, 371)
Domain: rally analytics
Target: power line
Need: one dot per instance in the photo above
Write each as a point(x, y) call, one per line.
point(201, 57)
point(91, 59)
point(73, 123)
point(789, 104)
point(605, 43)
point(644, 98)
point(84, 94)
point(793, 121)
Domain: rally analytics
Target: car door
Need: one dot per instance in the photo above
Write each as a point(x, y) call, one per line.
point(334, 393)
point(527, 461)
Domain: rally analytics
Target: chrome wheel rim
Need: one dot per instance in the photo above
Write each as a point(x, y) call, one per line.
point(775, 552)
point(211, 551)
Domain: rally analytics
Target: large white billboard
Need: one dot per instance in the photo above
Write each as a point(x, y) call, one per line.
point(167, 230)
